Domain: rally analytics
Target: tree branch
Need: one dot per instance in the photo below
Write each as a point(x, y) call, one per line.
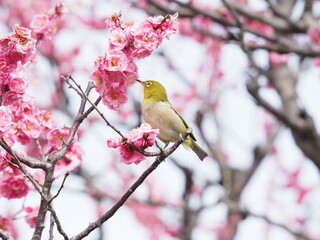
point(163, 155)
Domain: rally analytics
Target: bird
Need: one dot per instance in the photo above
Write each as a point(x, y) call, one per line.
point(160, 114)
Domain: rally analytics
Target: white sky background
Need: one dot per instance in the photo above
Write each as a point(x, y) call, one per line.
point(241, 126)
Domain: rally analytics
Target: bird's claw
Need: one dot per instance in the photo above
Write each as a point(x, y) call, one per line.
point(181, 138)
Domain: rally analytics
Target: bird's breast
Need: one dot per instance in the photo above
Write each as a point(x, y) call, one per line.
point(161, 116)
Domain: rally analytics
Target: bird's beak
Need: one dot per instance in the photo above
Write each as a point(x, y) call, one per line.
point(139, 81)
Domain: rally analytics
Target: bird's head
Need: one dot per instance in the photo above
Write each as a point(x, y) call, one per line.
point(153, 90)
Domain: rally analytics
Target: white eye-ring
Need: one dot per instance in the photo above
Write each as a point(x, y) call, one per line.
point(149, 84)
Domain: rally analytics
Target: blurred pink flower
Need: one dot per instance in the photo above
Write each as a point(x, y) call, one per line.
point(40, 23)
point(260, 26)
point(7, 225)
point(13, 186)
point(31, 217)
point(277, 59)
point(314, 35)
point(114, 142)
point(70, 161)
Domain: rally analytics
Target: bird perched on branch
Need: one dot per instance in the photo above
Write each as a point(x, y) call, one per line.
point(161, 114)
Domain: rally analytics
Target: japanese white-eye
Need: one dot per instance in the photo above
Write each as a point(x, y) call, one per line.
point(161, 114)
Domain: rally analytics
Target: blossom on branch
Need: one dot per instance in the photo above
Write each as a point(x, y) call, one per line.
point(116, 70)
point(57, 136)
point(46, 24)
point(71, 161)
point(18, 46)
point(142, 137)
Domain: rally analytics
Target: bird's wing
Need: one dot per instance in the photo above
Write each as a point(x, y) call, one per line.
point(184, 122)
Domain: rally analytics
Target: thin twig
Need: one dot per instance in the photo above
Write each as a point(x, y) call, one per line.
point(62, 185)
point(58, 223)
point(83, 95)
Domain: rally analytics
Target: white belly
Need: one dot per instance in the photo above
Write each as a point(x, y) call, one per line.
point(160, 116)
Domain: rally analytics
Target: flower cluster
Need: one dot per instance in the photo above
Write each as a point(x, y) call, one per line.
point(21, 121)
point(115, 71)
point(142, 137)
point(45, 24)
point(16, 49)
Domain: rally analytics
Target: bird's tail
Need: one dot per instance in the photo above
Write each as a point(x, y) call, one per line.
point(202, 154)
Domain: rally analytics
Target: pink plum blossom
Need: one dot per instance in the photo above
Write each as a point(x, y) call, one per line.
point(114, 97)
point(18, 85)
point(40, 23)
point(114, 142)
point(115, 61)
point(45, 24)
point(118, 39)
point(13, 186)
point(142, 137)
point(7, 225)
point(57, 136)
point(114, 21)
point(30, 127)
point(116, 70)
point(32, 213)
point(18, 46)
point(128, 155)
point(70, 161)
point(24, 43)
point(5, 122)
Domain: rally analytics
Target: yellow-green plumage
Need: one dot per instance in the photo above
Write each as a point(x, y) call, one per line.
point(160, 114)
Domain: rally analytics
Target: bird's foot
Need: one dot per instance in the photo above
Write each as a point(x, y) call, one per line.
point(181, 138)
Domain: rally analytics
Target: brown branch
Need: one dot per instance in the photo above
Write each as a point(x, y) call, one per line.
point(32, 164)
point(61, 187)
point(52, 160)
point(280, 48)
point(58, 223)
point(275, 22)
point(18, 165)
point(163, 155)
point(5, 236)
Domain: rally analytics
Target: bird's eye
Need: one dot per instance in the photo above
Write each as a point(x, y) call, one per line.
point(149, 84)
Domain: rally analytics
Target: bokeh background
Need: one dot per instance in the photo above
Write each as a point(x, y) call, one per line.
point(257, 183)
